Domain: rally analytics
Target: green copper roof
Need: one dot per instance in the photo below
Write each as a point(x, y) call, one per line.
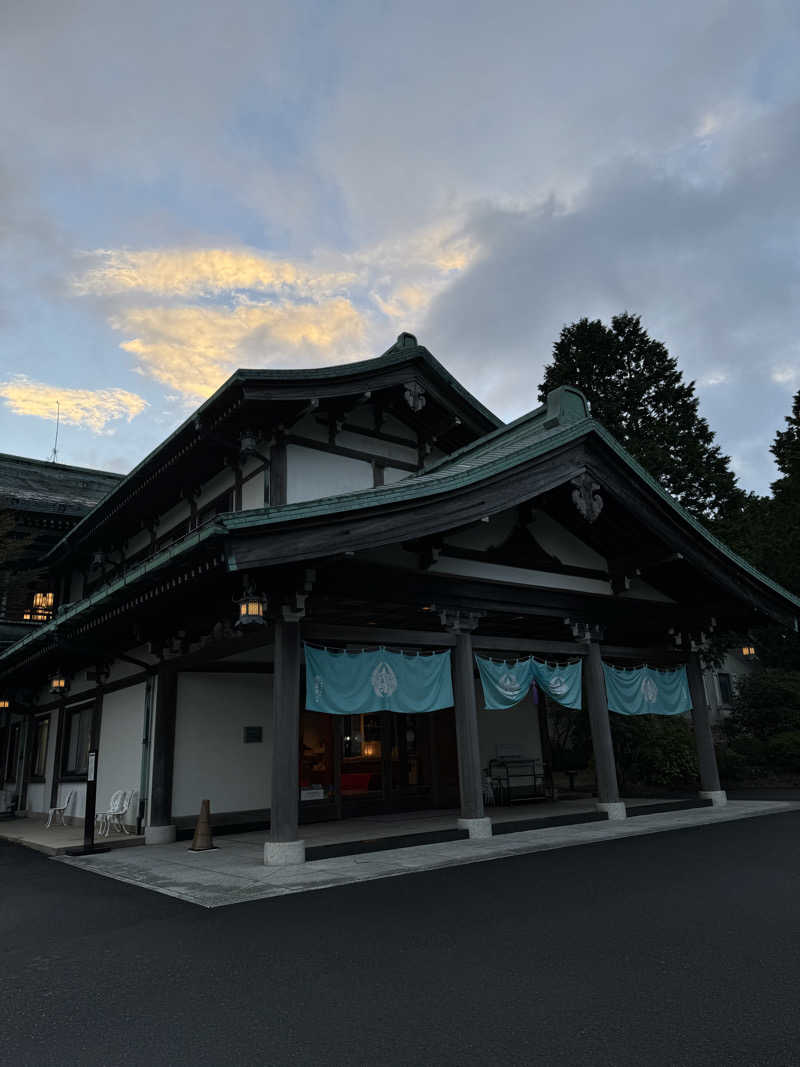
point(559, 422)
point(405, 350)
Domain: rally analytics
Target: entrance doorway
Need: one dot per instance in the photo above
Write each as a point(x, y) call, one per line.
point(376, 763)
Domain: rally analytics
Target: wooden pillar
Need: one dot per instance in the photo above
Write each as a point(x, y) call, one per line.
point(5, 733)
point(22, 763)
point(386, 757)
point(58, 754)
point(283, 846)
point(473, 818)
point(90, 803)
point(277, 474)
point(544, 740)
point(597, 706)
point(160, 829)
point(704, 739)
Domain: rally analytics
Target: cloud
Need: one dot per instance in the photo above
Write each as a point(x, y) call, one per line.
point(203, 272)
point(331, 306)
point(91, 408)
point(705, 252)
point(194, 349)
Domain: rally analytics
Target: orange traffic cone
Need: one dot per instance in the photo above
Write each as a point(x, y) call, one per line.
point(202, 832)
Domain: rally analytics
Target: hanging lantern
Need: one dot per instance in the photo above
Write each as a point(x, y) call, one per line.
point(252, 609)
point(4, 703)
point(58, 684)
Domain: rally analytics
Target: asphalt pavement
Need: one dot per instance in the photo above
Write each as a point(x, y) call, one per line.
point(674, 949)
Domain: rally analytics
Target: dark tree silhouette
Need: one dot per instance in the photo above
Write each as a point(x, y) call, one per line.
point(636, 390)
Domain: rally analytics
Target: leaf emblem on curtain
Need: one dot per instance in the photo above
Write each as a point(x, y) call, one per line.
point(319, 685)
point(649, 690)
point(508, 685)
point(558, 685)
point(384, 680)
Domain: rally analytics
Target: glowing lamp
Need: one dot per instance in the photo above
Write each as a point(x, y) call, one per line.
point(748, 651)
point(58, 684)
point(4, 703)
point(252, 608)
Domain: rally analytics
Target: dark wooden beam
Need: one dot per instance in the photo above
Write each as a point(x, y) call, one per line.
point(349, 453)
point(164, 748)
point(285, 798)
point(277, 473)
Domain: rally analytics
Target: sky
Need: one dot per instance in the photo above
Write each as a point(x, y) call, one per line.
point(188, 188)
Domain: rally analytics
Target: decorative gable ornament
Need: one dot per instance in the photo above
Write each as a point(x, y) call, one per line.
point(415, 396)
point(586, 497)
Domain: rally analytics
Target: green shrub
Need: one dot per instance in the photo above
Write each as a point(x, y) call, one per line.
point(733, 766)
point(784, 751)
point(766, 702)
point(654, 750)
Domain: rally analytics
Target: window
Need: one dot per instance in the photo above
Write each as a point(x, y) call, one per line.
point(77, 730)
point(39, 736)
point(11, 751)
point(725, 688)
point(42, 608)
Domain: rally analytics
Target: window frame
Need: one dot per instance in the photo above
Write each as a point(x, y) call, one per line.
point(66, 773)
point(725, 702)
point(9, 765)
point(40, 722)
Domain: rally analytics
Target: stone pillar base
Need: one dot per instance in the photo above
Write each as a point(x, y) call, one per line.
point(284, 853)
point(476, 827)
point(614, 810)
point(159, 835)
point(718, 797)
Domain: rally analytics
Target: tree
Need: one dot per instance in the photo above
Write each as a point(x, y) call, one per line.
point(636, 390)
point(786, 450)
point(767, 529)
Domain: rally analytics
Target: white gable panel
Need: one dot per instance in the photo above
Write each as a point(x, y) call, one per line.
point(311, 474)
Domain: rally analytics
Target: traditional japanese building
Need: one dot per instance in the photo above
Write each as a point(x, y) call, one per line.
point(364, 506)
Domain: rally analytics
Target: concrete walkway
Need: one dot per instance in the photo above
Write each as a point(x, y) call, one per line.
point(32, 833)
point(234, 872)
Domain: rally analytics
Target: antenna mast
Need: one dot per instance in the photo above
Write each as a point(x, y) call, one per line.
point(54, 453)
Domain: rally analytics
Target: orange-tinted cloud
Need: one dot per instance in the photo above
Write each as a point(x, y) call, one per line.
point(205, 271)
point(92, 408)
point(194, 349)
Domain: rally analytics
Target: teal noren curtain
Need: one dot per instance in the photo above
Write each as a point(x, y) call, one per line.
point(645, 691)
point(357, 683)
point(505, 684)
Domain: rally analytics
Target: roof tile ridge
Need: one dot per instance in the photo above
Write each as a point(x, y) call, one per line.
point(620, 449)
point(481, 442)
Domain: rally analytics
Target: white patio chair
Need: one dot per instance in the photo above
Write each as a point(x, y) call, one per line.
point(112, 818)
point(55, 816)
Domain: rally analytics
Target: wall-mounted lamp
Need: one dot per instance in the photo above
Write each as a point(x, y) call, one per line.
point(252, 608)
point(748, 651)
point(58, 684)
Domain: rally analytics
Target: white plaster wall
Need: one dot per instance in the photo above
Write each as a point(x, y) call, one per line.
point(120, 757)
point(378, 447)
point(253, 487)
point(394, 474)
point(518, 726)
point(35, 800)
point(311, 474)
point(211, 759)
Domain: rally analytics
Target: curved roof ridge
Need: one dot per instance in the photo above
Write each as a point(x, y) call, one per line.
point(406, 349)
